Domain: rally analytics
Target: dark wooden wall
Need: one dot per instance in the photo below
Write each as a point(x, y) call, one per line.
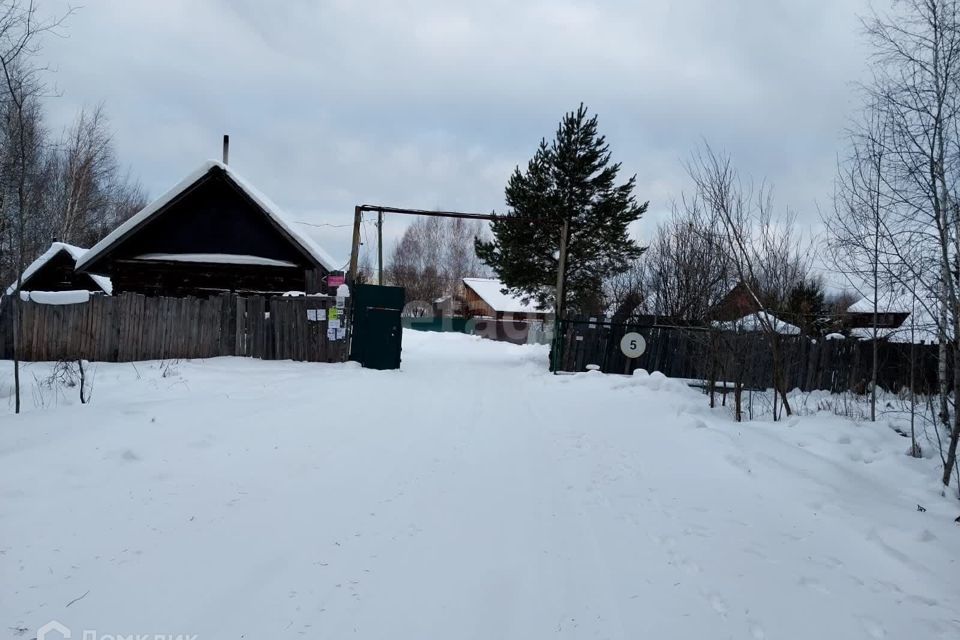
point(189, 279)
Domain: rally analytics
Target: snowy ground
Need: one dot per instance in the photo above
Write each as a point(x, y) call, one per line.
point(470, 495)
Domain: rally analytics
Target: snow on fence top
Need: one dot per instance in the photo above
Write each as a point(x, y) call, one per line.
point(268, 207)
point(77, 296)
point(489, 290)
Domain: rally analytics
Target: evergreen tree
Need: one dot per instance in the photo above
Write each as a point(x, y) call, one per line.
point(805, 306)
point(570, 179)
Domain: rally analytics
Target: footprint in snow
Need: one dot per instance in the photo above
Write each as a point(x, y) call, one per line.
point(690, 567)
point(873, 627)
point(717, 604)
point(926, 536)
point(757, 632)
point(813, 584)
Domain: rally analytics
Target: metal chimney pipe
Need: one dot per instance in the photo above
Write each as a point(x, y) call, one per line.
point(226, 148)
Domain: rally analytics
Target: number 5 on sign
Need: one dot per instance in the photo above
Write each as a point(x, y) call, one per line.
point(633, 345)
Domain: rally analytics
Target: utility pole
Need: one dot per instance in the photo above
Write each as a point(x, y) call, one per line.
point(561, 269)
point(558, 305)
point(380, 248)
point(355, 249)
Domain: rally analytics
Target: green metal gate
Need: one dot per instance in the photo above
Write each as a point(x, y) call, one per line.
point(377, 332)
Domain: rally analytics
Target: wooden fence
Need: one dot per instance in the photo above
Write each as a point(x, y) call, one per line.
point(133, 327)
point(703, 354)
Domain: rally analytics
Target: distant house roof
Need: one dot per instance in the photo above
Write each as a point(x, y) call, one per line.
point(918, 326)
point(306, 245)
point(737, 303)
point(758, 321)
point(886, 303)
point(57, 248)
point(490, 292)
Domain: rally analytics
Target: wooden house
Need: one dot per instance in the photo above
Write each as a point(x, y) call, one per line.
point(738, 303)
point(56, 270)
point(211, 233)
point(484, 298)
point(892, 312)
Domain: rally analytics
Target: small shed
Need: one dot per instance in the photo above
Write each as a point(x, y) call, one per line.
point(56, 270)
point(485, 297)
point(892, 312)
point(211, 233)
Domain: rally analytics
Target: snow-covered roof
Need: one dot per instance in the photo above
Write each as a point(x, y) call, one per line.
point(76, 253)
point(489, 291)
point(268, 207)
point(215, 258)
point(758, 321)
point(919, 327)
point(887, 302)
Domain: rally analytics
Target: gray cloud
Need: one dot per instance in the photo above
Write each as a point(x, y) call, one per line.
point(432, 104)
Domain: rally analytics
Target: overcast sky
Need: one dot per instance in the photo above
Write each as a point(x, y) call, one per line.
point(433, 103)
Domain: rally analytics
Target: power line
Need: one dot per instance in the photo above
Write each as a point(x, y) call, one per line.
point(321, 224)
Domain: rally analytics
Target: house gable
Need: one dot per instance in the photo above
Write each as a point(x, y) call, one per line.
point(212, 232)
point(58, 274)
point(212, 216)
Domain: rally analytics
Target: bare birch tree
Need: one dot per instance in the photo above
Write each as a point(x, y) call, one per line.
point(91, 193)
point(766, 254)
point(916, 65)
point(432, 258)
point(21, 31)
point(859, 225)
point(689, 263)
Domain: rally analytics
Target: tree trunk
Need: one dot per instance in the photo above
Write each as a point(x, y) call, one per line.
point(944, 414)
point(951, 460)
point(17, 317)
point(779, 379)
point(873, 373)
point(913, 396)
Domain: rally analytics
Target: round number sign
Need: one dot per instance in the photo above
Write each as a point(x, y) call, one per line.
point(633, 345)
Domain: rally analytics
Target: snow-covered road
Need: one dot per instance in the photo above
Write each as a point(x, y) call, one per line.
point(470, 495)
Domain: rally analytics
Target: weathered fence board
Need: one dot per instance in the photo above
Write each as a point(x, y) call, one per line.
point(687, 352)
point(135, 327)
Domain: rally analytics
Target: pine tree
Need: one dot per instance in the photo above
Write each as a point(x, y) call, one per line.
point(569, 179)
